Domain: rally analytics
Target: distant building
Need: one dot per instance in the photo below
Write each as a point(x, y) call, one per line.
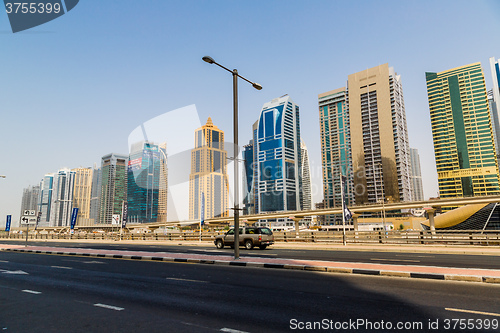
point(95, 196)
point(416, 176)
point(62, 198)
point(45, 199)
point(114, 186)
point(249, 198)
point(495, 103)
point(305, 170)
point(82, 194)
point(462, 132)
point(208, 177)
point(31, 198)
point(146, 176)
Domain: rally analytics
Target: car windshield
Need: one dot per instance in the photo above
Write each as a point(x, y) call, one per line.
point(266, 231)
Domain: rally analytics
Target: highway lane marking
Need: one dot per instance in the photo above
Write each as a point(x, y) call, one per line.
point(230, 330)
point(474, 312)
point(31, 291)
point(3, 261)
point(406, 260)
point(62, 267)
point(179, 279)
point(403, 255)
point(111, 307)
point(87, 262)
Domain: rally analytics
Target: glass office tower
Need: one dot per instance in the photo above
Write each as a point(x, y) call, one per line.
point(146, 174)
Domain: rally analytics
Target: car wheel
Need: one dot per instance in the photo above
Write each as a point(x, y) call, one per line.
point(248, 244)
point(262, 247)
point(219, 244)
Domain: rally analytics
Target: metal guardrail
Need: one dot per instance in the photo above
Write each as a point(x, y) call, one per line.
point(459, 237)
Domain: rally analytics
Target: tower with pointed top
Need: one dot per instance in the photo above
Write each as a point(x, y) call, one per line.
point(208, 179)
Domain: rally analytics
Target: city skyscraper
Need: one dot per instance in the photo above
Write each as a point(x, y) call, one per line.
point(278, 154)
point(62, 198)
point(95, 196)
point(364, 136)
point(495, 103)
point(31, 198)
point(305, 170)
point(208, 178)
point(417, 193)
point(113, 186)
point(146, 174)
point(45, 200)
point(462, 132)
point(82, 194)
point(335, 147)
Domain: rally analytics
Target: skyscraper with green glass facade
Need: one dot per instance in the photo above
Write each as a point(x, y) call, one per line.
point(145, 174)
point(462, 132)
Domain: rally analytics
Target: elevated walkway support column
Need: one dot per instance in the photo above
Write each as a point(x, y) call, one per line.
point(296, 220)
point(431, 212)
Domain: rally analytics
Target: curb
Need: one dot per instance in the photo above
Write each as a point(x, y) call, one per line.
point(447, 277)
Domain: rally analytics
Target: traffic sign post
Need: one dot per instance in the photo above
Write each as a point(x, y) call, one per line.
point(29, 216)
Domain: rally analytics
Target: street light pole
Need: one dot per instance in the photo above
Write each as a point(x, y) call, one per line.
point(236, 208)
point(383, 196)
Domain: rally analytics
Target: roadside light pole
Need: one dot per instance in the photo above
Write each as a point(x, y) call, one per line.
point(236, 208)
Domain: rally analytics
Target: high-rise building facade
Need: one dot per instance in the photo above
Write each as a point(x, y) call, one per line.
point(82, 194)
point(417, 193)
point(335, 146)
point(113, 186)
point(208, 178)
point(45, 201)
point(462, 132)
point(380, 148)
point(278, 156)
point(147, 161)
point(495, 103)
point(95, 196)
point(62, 198)
point(30, 199)
point(305, 170)
point(364, 137)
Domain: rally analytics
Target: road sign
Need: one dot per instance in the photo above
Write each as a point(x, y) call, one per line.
point(116, 219)
point(28, 220)
point(29, 212)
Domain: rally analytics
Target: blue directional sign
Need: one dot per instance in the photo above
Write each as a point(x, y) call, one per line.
point(74, 215)
point(7, 225)
point(202, 208)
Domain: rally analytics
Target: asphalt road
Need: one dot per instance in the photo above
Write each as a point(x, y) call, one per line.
point(399, 258)
point(50, 293)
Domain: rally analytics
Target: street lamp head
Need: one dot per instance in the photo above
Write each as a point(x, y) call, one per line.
point(257, 86)
point(208, 59)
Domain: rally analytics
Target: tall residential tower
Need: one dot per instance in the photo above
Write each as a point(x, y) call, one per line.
point(462, 132)
point(208, 184)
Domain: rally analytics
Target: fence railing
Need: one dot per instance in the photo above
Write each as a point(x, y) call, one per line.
point(461, 237)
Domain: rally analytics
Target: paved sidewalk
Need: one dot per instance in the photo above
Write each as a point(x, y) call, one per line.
point(426, 272)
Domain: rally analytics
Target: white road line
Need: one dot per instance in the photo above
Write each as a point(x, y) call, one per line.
point(31, 291)
point(394, 260)
point(178, 279)
point(475, 312)
point(63, 267)
point(410, 256)
point(111, 307)
point(230, 330)
point(3, 261)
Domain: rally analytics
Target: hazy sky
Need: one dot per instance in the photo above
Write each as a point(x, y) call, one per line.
point(72, 90)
